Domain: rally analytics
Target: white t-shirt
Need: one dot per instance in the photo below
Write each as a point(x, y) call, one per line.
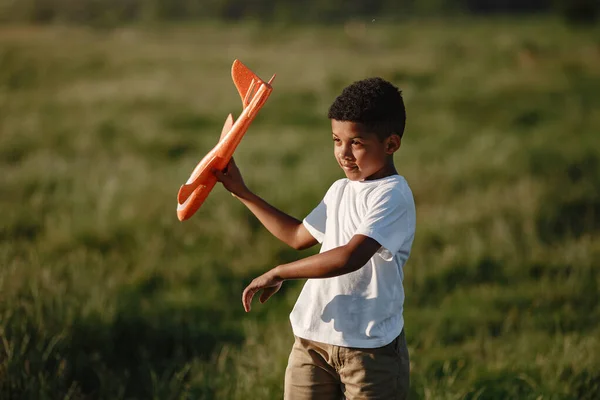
point(363, 308)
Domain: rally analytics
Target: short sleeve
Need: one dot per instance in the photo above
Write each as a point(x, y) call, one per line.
point(315, 222)
point(388, 221)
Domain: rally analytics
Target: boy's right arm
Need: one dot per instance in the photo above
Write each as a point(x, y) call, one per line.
point(283, 226)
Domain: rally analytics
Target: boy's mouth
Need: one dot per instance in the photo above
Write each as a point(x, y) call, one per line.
point(349, 167)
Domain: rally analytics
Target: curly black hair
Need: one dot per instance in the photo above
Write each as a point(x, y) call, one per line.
point(373, 102)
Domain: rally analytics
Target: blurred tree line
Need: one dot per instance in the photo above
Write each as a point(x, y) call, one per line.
point(122, 11)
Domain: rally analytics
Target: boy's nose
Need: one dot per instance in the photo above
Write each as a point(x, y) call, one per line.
point(346, 153)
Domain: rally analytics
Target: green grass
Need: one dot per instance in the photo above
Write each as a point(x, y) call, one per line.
point(105, 294)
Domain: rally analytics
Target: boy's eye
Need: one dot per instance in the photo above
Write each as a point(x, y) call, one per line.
point(355, 143)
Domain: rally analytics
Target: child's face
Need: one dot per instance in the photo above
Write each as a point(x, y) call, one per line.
point(361, 154)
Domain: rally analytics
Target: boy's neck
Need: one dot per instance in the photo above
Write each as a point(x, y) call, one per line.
point(388, 169)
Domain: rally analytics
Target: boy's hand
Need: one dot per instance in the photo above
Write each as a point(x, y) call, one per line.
point(232, 179)
point(267, 281)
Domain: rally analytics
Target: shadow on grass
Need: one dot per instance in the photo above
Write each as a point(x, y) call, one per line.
point(140, 346)
point(571, 205)
point(502, 385)
point(436, 287)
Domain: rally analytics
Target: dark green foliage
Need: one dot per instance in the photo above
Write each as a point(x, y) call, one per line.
point(103, 13)
point(584, 12)
point(586, 385)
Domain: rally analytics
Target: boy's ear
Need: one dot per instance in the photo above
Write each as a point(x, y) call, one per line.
point(392, 144)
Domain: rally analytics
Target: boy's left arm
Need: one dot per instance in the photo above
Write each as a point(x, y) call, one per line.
point(335, 262)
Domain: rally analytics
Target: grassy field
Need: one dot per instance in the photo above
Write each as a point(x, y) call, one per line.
point(104, 294)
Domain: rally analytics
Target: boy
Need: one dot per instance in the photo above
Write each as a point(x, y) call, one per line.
point(347, 322)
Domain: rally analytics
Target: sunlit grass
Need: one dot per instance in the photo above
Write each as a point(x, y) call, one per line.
point(104, 294)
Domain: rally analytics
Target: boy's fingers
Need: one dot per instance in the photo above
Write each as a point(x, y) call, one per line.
point(218, 174)
point(247, 298)
point(222, 176)
point(228, 167)
point(267, 293)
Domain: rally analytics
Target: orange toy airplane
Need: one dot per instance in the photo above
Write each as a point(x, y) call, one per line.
point(254, 93)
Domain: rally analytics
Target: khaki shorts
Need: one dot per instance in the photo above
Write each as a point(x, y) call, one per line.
point(322, 371)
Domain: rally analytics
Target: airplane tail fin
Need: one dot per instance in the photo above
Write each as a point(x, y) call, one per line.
point(246, 81)
point(227, 127)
